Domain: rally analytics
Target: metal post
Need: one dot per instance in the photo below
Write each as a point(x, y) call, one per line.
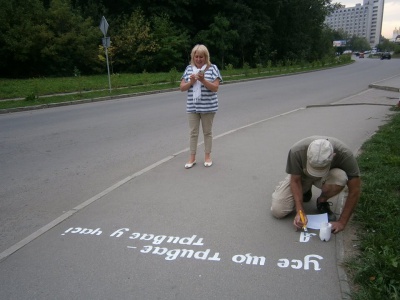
point(108, 70)
point(106, 44)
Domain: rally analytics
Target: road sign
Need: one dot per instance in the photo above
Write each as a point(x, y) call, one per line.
point(106, 42)
point(103, 25)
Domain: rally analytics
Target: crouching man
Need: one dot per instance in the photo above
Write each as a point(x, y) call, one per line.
point(326, 163)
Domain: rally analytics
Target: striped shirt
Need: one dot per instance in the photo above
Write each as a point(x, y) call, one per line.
point(209, 100)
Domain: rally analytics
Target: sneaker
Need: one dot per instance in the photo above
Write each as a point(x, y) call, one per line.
point(323, 207)
point(307, 196)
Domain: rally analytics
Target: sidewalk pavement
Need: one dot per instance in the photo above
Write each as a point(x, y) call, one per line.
point(202, 233)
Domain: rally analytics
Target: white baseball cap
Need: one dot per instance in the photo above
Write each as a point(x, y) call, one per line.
point(319, 157)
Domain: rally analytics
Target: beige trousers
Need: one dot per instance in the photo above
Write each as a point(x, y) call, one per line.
point(206, 124)
point(283, 200)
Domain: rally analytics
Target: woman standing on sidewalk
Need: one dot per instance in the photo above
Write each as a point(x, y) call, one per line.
point(201, 79)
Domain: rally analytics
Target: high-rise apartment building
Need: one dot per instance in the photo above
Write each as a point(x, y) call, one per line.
point(361, 20)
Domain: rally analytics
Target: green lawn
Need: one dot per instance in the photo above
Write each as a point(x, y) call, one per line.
point(375, 271)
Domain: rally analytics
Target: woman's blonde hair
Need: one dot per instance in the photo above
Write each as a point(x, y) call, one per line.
point(200, 49)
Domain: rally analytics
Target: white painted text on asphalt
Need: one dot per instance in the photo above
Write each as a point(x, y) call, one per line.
point(154, 242)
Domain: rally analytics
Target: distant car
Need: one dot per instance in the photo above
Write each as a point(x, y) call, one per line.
point(361, 55)
point(386, 55)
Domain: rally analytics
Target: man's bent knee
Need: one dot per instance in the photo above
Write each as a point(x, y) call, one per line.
point(279, 212)
point(337, 177)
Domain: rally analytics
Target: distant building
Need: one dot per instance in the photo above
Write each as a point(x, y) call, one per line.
point(361, 20)
point(396, 35)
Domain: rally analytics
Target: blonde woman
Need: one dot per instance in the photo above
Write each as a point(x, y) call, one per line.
point(201, 80)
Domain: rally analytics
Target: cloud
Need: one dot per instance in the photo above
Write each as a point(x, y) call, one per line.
point(391, 18)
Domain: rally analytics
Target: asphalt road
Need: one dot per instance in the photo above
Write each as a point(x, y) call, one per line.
point(56, 159)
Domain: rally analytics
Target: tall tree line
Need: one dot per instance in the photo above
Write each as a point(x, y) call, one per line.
point(62, 37)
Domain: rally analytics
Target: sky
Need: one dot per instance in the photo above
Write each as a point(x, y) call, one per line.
point(391, 15)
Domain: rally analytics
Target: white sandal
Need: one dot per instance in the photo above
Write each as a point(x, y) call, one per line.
point(189, 165)
point(208, 164)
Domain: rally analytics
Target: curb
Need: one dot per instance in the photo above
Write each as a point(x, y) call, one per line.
point(340, 252)
point(386, 88)
point(83, 101)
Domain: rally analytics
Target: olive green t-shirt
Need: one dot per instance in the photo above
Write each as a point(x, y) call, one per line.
point(343, 159)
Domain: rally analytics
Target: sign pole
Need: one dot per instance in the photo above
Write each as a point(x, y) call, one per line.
point(106, 44)
point(108, 70)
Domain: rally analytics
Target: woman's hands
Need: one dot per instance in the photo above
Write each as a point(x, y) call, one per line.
point(186, 85)
point(194, 77)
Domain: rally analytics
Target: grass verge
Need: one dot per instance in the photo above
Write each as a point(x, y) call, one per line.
point(375, 269)
point(15, 93)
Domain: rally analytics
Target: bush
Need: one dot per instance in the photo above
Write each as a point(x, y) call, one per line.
point(173, 75)
point(32, 97)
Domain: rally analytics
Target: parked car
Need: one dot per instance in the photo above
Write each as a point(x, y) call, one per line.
point(386, 55)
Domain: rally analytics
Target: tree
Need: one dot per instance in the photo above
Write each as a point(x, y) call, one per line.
point(93, 9)
point(22, 34)
point(252, 23)
point(386, 45)
point(357, 43)
point(170, 44)
point(54, 37)
point(73, 41)
point(36, 41)
point(259, 42)
point(298, 27)
point(219, 37)
point(134, 44)
point(326, 41)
